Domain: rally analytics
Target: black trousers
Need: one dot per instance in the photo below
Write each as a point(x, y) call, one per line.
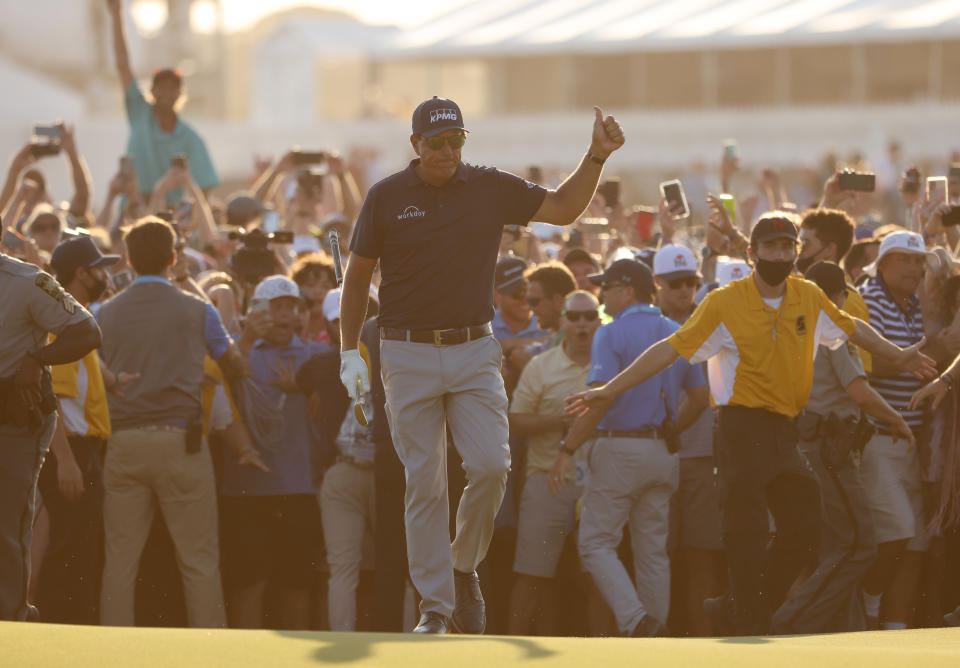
point(69, 585)
point(761, 469)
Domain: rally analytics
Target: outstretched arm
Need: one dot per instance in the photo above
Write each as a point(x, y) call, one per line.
point(120, 52)
point(651, 361)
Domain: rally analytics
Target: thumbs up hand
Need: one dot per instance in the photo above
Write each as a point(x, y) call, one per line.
point(607, 135)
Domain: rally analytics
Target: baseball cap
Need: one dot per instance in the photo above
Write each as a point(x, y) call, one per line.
point(274, 287)
point(331, 305)
point(729, 270)
point(78, 252)
point(674, 261)
point(627, 271)
point(436, 115)
point(242, 207)
point(578, 254)
point(829, 276)
point(898, 242)
point(508, 273)
point(773, 226)
point(646, 256)
point(305, 243)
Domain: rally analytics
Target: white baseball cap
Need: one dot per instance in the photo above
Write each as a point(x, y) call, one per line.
point(305, 243)
point(274, 287)
point(898, 242)
point(331, 305)
point(729, 270)
point(674, 261)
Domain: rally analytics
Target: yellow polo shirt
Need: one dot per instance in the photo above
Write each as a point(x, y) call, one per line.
point(760, 355)
point(82, 397)
point(855, 306)
point(209, 390)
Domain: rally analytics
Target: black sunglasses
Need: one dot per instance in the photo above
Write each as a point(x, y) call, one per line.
point(678, 283)
point(518, 294)
point(453, 141)
point(533, 301)
point(575, 316)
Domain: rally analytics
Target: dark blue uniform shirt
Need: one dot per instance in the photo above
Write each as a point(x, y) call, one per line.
point(438, 246)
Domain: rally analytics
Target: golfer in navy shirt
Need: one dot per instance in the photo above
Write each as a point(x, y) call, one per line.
point(435, 228)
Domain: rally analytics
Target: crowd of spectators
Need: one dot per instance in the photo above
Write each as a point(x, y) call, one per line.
point(220, 321)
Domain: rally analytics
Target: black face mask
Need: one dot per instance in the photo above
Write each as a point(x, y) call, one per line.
point(774, 272)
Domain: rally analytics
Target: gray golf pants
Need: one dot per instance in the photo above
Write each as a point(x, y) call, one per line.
point(631, 480)
point(427, 388)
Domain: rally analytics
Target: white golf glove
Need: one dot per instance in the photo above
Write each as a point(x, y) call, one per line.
point(353, 373)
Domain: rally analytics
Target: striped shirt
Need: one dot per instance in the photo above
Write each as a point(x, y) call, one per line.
point(903, 328)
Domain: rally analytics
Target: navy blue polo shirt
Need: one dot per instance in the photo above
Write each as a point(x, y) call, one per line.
point(616, 345)
point(438, 246)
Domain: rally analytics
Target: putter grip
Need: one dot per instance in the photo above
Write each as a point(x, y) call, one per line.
point(335, 252)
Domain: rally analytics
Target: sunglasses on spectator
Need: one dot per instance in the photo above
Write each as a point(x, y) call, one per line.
point(611, 286)
point(453, 141)
point(533, 301)
point(576, 316)
point(45, 227)
point(518, 294)
point(678, 283)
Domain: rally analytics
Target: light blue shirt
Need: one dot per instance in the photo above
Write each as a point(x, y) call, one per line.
point(502, 331)
point(152, 148)
point(289, 459)
point(616, 345)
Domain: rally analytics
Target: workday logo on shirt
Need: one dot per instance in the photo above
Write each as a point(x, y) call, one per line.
point(411, 212)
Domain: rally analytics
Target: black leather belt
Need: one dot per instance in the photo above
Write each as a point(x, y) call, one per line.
point(635, 433)
point(438, 337)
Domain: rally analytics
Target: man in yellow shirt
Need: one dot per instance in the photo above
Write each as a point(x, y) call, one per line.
point(758, 336)
point(71, 480)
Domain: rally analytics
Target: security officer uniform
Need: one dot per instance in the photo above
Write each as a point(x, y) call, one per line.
point(32, 305)
point(832, 435)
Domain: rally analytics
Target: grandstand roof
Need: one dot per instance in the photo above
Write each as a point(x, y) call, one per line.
point(496, 27)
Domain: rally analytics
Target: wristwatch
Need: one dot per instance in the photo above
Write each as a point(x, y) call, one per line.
point(565, 450)
point(595, 158)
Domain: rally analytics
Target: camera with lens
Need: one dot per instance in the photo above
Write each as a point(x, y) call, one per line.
point(253, 259)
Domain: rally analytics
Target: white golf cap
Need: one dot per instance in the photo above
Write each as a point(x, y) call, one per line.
point(274, 287)
point(674, 261)
point(331, 305)
point(729, 270)
point(898, 242)
point(305, 243)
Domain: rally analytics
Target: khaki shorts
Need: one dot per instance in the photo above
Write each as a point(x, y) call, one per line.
point(891, 480)
point(543, 525)
point(695, 520)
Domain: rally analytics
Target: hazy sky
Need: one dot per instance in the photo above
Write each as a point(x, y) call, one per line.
point(239, 14)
